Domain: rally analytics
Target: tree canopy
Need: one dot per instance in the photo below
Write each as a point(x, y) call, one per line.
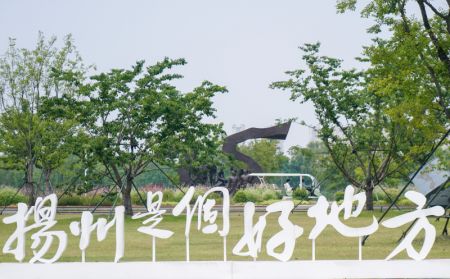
point(133, 118)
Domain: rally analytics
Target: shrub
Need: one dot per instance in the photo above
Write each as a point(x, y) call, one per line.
point(239, 197)
point(7, 197)
point(300, 194)
point(70, 200)
point(405, 202)
point(198, 192)
point(253, 195)
point(215, 196)
point(379, 195)
point(392, 192)
point(168, 195)
point(269, 195)
point(177, 196)
point(135, 199)
point(89, 200)
point(339, 195)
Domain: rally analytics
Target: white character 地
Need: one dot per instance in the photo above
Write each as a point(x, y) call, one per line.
point(44, 219)
point(320, 212)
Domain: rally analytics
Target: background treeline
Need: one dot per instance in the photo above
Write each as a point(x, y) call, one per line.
point(65, 126)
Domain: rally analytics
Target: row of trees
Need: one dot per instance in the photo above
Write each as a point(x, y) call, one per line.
point(115, 123)
point(375, 124)
point(381, 122)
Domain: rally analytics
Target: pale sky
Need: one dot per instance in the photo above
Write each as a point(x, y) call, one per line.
point(243, 45)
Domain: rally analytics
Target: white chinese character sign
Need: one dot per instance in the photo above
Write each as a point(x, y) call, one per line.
point(280, 245)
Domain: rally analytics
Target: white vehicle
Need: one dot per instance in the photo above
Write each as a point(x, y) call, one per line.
point(315, 187)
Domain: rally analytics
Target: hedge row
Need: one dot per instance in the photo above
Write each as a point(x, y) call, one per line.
point(256, 195)
point(8, 197)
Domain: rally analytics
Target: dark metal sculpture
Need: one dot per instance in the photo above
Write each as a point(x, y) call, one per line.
point(230, 144)
point(210, 175)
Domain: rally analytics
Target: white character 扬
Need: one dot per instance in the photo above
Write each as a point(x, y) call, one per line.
point(44, 219)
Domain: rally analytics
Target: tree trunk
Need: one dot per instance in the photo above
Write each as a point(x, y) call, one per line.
point(369, 196)
point(29, 185)
point(48, 184)
point(126, 196)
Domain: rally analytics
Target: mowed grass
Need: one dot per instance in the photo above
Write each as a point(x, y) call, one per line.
point(329, 245)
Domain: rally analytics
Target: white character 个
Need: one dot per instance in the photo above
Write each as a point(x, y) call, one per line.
point(205, 213)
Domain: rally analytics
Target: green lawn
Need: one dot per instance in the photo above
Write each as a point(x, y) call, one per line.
point(329, 245)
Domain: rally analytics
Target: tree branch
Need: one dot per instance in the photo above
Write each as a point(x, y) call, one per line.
point(440, 51)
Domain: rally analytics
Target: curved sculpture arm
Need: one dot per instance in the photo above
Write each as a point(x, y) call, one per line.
point(230, 144)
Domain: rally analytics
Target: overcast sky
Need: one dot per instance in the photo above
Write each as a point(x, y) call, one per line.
point(243, 45)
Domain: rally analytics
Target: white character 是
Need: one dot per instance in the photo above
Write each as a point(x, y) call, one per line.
point(155, 217)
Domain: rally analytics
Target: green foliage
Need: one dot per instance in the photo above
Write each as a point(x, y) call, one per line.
point(7, 196)
point(71, 200)
point(270, 195)
point(252, 196)
point(29, 136)
point(215, 196)
point(170, 195)
point(239, 197)
point(315, 160)
point(405, 202)
point(255, 195)
point(88, 200)
point(266, 153)
point(392, 192)
point(366, 144)
point(300, 194)
point(411, 66)
point(133, 118)
point(339, 196)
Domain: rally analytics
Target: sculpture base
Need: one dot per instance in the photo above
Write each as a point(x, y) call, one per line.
point(232, 269)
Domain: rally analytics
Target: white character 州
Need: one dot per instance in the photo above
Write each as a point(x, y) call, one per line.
point(155, 217)
point(44, 218)
point(205, 213)
point(252, 237)
point(102, 226)
point(421, 224)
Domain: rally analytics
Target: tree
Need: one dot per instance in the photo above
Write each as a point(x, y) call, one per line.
point(314, 159)
point(266, 153)
point(133, 118)
point(27, 77)
point(365, 144)
point(415, 59)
